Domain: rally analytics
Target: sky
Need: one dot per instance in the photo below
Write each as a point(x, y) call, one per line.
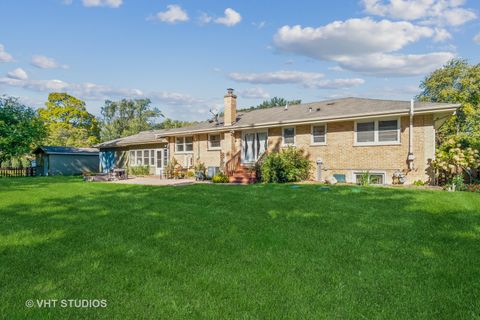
point(184, 54)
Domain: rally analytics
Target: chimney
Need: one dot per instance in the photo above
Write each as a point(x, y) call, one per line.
point(230, 112)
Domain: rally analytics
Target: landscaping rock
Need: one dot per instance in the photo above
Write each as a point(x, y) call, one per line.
point(330, 180)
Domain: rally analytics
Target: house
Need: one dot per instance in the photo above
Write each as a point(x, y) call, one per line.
point(66, 160)
point(342, 137)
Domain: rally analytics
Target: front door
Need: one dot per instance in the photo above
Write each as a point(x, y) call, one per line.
point(254, 145)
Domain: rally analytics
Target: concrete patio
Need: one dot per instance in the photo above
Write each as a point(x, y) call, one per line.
point(156, 181)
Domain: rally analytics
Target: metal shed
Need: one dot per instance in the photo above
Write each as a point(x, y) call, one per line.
point(66, 161)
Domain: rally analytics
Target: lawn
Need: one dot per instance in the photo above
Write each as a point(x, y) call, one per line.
point(249, 252)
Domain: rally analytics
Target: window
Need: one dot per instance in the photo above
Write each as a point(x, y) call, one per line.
point(388, 130)
point(152, 157)
point(374, 178)
point(146, 157)
point(139, 157)
point(131, 159)
point(288, 136)
point(319, 133)
point(366, 132)
point(184, 144)
point(214, 141)
point(377, 132)
point(188, 144)
point(179, 145)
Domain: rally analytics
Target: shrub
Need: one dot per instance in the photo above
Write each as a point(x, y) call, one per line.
point(473, 187)
point(190, 174)
point(288, 165)
point(452, 159)
point(418, 183)
point(220, 178)
point(140, 170)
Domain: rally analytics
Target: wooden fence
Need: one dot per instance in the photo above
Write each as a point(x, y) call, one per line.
point(17, 172)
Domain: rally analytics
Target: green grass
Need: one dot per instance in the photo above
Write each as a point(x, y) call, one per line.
point(249, 252)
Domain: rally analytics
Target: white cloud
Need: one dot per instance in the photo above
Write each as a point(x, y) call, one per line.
point(4, 55)
point(441, 35)
point(18, 74)
point(350, 37)
point(476, 39)
point(440, 12)
point(94, 92)
point(44, 62)
point(253, 93)
point(204, 18)
point(102, 3)
point(305, 79)
point(259, 25)
point(173, 14)
point(230, 19)
point(365, 45)
point(392, 65)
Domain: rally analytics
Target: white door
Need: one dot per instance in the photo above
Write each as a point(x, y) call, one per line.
point(249, 147)
point(253, 146)
point(159, 162)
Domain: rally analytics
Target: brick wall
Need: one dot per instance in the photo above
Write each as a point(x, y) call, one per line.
point(339, 155)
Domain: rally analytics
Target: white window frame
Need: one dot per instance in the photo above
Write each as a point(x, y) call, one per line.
point(294, 137)
point(209, 144)
point(375, 141)
point(184, 138)
point(370, 172)
point(312, 142)
point(142, 158)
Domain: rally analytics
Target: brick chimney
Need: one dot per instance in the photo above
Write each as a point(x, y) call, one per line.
point(230, 111)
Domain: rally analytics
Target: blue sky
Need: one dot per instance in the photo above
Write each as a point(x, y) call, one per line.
point(184, 54)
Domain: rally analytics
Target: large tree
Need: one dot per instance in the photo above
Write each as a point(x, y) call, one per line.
point(457, 82)
point(20, 129)
point(126, 117)
point(170, 123)
point(68, 122)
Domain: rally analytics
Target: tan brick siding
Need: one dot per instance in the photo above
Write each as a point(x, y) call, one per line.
point(339, 155)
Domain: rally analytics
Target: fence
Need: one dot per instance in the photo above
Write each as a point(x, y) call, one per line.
point(17, 172)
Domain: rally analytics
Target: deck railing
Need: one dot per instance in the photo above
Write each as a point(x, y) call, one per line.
point(232, 164)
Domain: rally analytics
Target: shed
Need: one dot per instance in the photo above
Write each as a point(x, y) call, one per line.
point(66, 161)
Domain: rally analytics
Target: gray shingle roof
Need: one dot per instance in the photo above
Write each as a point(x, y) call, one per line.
point(329, 110)
point(143, 137)
point(316, 111)
point(67, 150)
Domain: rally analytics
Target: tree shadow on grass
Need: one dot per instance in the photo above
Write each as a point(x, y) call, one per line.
point(272, 250)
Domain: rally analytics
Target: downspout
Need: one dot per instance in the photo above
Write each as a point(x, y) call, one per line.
point(410, 157)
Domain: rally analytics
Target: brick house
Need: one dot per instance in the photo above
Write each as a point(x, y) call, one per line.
point(342, 137)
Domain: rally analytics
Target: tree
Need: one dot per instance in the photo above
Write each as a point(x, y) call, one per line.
point(457, 82)
point(126, 117)
point(20, 129)
point(170, 123)
point(68, 122)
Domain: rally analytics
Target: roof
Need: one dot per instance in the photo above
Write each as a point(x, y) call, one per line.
point(329, 110)
point(143, 137)
point(67, 150)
